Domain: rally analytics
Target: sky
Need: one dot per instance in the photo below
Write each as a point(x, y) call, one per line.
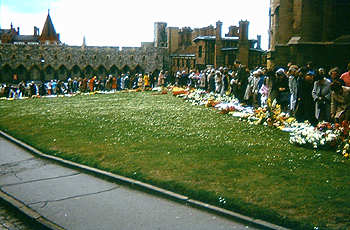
point(127, 23)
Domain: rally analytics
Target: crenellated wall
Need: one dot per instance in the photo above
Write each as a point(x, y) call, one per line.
point(45, 62)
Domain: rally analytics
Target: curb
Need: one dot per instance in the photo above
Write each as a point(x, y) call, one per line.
point(30, 213)
point(38, 218)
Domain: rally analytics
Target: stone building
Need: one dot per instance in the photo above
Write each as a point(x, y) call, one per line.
point(43, 57)
point(200, 47)
point(309, 30)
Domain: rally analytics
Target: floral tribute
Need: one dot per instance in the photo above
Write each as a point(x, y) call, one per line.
point(324, 135)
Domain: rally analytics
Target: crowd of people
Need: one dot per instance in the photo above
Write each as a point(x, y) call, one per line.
point(305, 92)
point(73, 85)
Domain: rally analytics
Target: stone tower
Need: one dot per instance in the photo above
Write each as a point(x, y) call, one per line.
point(219, 61)
point(160, 35)
point(307, 30)
point(243, 44)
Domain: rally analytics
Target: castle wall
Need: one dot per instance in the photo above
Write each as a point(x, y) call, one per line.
point(50, 61)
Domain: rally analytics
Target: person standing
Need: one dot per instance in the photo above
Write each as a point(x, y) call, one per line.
point(140, 81)
point(293, 87)
point(146, 81)
point(218, 81)
point(282, 89)
point(346, 76)
point(306, 104)
point(340, 102)
point(211, 81)
point(161, 79)
point(321, 94)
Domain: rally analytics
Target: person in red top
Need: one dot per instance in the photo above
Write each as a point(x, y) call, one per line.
point(92, 84)
point(346, 77)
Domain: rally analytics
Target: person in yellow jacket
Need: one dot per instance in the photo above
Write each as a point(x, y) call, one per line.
point(146, 83)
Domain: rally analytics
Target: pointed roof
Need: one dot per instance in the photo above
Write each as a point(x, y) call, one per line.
point(48, 33)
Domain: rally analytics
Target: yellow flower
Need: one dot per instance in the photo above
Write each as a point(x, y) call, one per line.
point(346, 155)
point(290, 120)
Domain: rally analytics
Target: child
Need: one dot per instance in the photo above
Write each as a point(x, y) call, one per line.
point(264, 92)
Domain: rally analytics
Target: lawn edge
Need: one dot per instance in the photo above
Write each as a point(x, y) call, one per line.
point(141, 185)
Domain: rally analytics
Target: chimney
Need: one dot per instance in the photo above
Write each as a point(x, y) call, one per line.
point(218, 30)
point(258, 45)
point(36, 31)
point(18, 30)
point(243, 30)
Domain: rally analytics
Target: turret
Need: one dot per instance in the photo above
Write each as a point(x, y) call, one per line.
point(160, 35)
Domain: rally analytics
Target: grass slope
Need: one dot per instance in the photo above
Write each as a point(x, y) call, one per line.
point(191, 150)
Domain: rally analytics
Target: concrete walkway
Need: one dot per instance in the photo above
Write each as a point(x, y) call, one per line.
point(61, 197)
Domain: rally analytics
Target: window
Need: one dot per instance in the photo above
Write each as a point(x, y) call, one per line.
point(200, 51)
point(188, 63)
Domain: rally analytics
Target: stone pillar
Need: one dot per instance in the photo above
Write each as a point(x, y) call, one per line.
point(285, 30)
point(312, 21)
point(218, 57)
point(243, 44)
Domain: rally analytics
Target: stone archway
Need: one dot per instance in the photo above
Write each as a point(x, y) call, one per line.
point(76, 72)
point(49, 73)
point(126, 69)
point(101, 71)
point(35, 73)
point(114, 70)
point(6, 74)
point(62, 72)
point(88, 71)
point(138, 69)
point(21, 73)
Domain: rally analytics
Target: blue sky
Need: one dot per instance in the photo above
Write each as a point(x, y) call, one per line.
point(25, 6)
point(130, 22)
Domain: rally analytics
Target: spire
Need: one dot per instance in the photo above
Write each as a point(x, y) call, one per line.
point(48, 33)
point(84, 41)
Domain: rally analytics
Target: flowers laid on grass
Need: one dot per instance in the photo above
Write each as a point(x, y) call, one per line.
point(324, 135)
point(314, 137)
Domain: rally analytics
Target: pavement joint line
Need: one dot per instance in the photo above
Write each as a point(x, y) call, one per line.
point(33, 215)
point(225, 212)
point(16, 162)
point(73, 197)
point(38, 180)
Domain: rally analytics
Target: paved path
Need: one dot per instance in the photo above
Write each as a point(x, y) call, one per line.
point(70, 199)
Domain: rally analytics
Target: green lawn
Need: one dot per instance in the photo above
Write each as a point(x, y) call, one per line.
point(192, 150)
